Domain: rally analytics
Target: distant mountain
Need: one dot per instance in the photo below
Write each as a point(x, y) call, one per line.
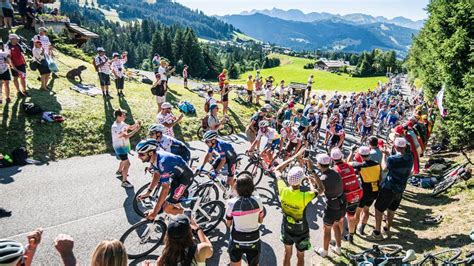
point(323, 34)
point(170, 13)
point(356, 18)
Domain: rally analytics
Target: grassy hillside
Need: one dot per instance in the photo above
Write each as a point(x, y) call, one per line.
point(291, 70)
point(86, 130)
point(238, 35)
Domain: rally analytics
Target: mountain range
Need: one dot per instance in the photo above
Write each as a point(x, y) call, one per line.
point(355, 18)
point(324, 34)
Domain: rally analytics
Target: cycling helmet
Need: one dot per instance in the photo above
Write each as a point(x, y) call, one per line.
point(393, 109)
point(287, 123)
point(209, 135)
point(156, 128)
point(263, 123)
point(11, 252)
point(311, 111)
point(147, 145)
point(295, 175)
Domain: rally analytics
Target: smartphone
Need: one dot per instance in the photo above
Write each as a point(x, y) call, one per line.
point(188, 213)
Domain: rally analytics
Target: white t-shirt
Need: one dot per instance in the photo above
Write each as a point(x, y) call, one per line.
point(168, 118)
point(162, 72)
point(105, 68)
point(271, 134)
point(268, 94)
point(118, 68)
point(44, 42)
point(121, 145)
point(3, 61)
point(38, 54)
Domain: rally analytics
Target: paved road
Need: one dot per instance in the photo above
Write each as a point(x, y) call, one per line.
point(82, 197)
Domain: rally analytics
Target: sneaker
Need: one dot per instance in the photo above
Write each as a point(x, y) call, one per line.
point(349, 238)
point(127, 184)
point(332, 242)
point(321, 252)
point(118, 173)
point(336, 250)
point(376, 236)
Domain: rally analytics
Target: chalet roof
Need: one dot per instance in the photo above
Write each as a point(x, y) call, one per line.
point(333, 63)
point(81, 31)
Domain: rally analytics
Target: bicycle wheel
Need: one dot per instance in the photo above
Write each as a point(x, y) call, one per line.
point(143, 238)
point(207, 192)
point(255, 171)
point(390, 249)
point(200, 132)
point(142, 206)
point(209, 215)
point(446, 256)
point(443, 186)
point(227, 129)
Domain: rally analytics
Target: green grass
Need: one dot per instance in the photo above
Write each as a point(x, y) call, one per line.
point(86, 130)
point(244, 37)
point(291, 70)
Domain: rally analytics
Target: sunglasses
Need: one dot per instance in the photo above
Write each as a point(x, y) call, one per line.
point(141, 155)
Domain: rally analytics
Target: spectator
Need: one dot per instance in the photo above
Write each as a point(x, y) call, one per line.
point(166, 118)
point(14, 253)
point(375, 153)
point(268, 93)
point(335, 205)
point(110, 253)
point(30, 15)
point(281, 91)
point(250, 84)
point(22, 4)
point(225, 97)
point(55, 12)
point(222, 77)
point(121, 134)
point(7, 9)
point(156, 63)
point(308, 89)
point(18, 65)
point(44, 39)
point(213, 119)
point(399, 168)
point(118, 69)
point(162, 70)
point(39, 57)
point(258, 90)
point(185, 76)
point(102, 65)
point(244, 214)
point(179, 248)
point(209, 100)
point(161, 91)
point(5, 77)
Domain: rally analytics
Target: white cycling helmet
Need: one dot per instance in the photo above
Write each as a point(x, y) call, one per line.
point(287, 123)
point(156, 128)
point(263, 123)
point(295, 175)
point(147, 145)
point(209, 135)
point(11, 252)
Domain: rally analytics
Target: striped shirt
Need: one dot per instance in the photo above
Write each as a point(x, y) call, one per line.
point(245, 213)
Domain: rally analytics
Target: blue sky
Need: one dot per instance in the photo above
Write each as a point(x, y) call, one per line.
point(413, 9)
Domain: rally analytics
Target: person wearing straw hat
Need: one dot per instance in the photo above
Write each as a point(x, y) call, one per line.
point(399, 167)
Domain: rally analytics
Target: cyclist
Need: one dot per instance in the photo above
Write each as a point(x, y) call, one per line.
point(334, 134)
point(382, 116)
point(392, 117)
point(292, 135)
point(167, 143)
point(252, 128)
point(227, 155)
point(365, 126)
point(314, 123)
point(171, 171)
point(302, 121)
point(273, 141)
point(295, 228)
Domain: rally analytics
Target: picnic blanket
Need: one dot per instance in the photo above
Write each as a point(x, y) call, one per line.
point(90, 90)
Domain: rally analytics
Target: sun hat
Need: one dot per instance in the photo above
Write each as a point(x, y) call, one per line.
point(178, 226)
point(42, 29)
point(115, 54)
point(400, 142)
point(100, 49)
point(364, 150)
point(323, 159)
point(336, 154)
point(295, 175)
point(166, 105)
point(13, 36)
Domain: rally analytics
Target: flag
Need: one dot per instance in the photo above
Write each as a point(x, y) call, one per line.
point(439, 102)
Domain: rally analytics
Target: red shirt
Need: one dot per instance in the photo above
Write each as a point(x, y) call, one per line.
point(16, 55)
point(221, 79)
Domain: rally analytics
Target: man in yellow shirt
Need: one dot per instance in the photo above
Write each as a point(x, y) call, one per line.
point(250, 84)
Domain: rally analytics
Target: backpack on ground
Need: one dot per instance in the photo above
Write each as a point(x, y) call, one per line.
point(19, 156)
point(206, 106)
point(205, 123)
point(52, 117)
point(147, 81)
point(31, 109)
point(7, 161)
point(186, 107)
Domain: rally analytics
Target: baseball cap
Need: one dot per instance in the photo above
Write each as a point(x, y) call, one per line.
point(399, 130)
point(364, 150)
point(336, 154)
point(400, 142)
point(41, 29)
point(100, 49)
point(410, 124)
point(323, 159)
point(13, 36)
point(115, 54)
point(295, 175)
point(166, 105)
point(178, 227)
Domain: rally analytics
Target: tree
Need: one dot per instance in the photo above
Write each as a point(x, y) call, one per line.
point(192, 55)
point(442, 54)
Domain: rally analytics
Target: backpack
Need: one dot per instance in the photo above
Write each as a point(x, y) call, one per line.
point(186, 107)
point(158, 90)
point(204, 122)
point(352, 190)
point(31, 109)
point(19, 156)
point(94, 64)
point(206, 106)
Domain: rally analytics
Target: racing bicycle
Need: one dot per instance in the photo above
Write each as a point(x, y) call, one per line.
point(390, 254)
